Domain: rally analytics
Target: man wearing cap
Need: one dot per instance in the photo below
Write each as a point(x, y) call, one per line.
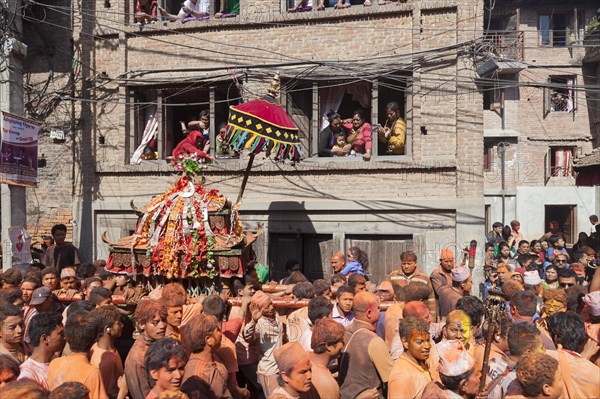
point(409, 273)
point(410, 373)
point(43, 301)
point(533, 282)
point(456, 373)
point(458, 327)
point(295, 372)
point(68, 285)
point(462, 282)
point(442, 275)
point(365, 362)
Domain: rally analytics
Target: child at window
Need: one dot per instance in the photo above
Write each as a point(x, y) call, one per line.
point(340, 143)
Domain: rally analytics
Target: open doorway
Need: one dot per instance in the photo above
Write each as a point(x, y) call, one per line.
point(565, 216)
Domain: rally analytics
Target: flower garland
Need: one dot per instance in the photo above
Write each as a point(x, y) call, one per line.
point(176, 228)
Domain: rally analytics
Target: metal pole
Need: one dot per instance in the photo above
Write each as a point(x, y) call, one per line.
point(501, 152)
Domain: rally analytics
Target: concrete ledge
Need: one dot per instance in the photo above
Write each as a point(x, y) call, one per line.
point(261, 165)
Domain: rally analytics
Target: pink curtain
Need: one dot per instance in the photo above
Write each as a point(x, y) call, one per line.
point(562, 162)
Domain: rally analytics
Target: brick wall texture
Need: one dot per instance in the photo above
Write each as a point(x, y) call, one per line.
point(89, 171)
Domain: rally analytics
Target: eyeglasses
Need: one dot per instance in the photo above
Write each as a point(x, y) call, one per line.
point(561, 260)
point(566, 285)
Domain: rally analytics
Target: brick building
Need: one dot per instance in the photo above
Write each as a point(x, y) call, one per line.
point(538, 112)
point(422, 54)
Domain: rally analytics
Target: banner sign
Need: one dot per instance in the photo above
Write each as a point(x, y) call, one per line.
point(21, 244)
point(18, 151)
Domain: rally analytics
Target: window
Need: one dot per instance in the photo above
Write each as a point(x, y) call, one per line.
point(308, 5)
point(561, 161)
point(562, 28)
point(488, 155)
point(146, 11)
point(309, 103)
point(560, 94)
point(160, 116)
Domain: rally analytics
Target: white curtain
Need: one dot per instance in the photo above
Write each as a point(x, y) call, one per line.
point(149, 133)
point(331, 98)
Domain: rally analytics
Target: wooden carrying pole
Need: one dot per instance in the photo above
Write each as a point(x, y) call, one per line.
point(245, 181)
point(495, 310)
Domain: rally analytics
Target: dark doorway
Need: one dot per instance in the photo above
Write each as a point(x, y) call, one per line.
point(312, 251)
point(565, 216)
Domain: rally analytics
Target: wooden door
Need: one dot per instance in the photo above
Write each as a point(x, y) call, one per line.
point(383, 252)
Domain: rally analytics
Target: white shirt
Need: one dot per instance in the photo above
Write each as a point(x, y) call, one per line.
point(201, 6)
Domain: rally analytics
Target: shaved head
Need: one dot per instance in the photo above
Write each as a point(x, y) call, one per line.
point(364, 301)
point(416, 309)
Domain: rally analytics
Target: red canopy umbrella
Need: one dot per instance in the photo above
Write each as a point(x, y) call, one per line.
point(263, 125)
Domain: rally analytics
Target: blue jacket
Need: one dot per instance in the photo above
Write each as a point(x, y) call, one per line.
point(351, 268)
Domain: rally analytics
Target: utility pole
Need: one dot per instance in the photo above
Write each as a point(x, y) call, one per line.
point(12, 198)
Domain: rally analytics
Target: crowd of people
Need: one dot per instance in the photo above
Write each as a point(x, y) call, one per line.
point(81, 331)
point(148, 11)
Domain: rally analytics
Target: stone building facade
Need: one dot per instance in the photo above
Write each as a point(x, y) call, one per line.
point(422, 54)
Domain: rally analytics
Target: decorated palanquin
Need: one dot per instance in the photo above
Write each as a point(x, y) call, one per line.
point(188, 231)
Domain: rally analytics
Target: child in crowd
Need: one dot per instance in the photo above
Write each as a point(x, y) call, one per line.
point(557, 244)
point(165, 361)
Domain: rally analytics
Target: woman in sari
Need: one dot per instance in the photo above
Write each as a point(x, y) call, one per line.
point(192, 144)
point(359, 134)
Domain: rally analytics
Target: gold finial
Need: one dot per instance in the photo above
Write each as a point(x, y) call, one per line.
point(274, 88)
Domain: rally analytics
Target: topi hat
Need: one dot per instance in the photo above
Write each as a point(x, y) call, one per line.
point(454, 358)
point(460, 274)
point(67, 272)
point(446, 253)
point(592, 300)
point(532, 278)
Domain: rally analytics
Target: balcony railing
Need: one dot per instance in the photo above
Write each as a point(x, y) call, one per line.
point(508, 44)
